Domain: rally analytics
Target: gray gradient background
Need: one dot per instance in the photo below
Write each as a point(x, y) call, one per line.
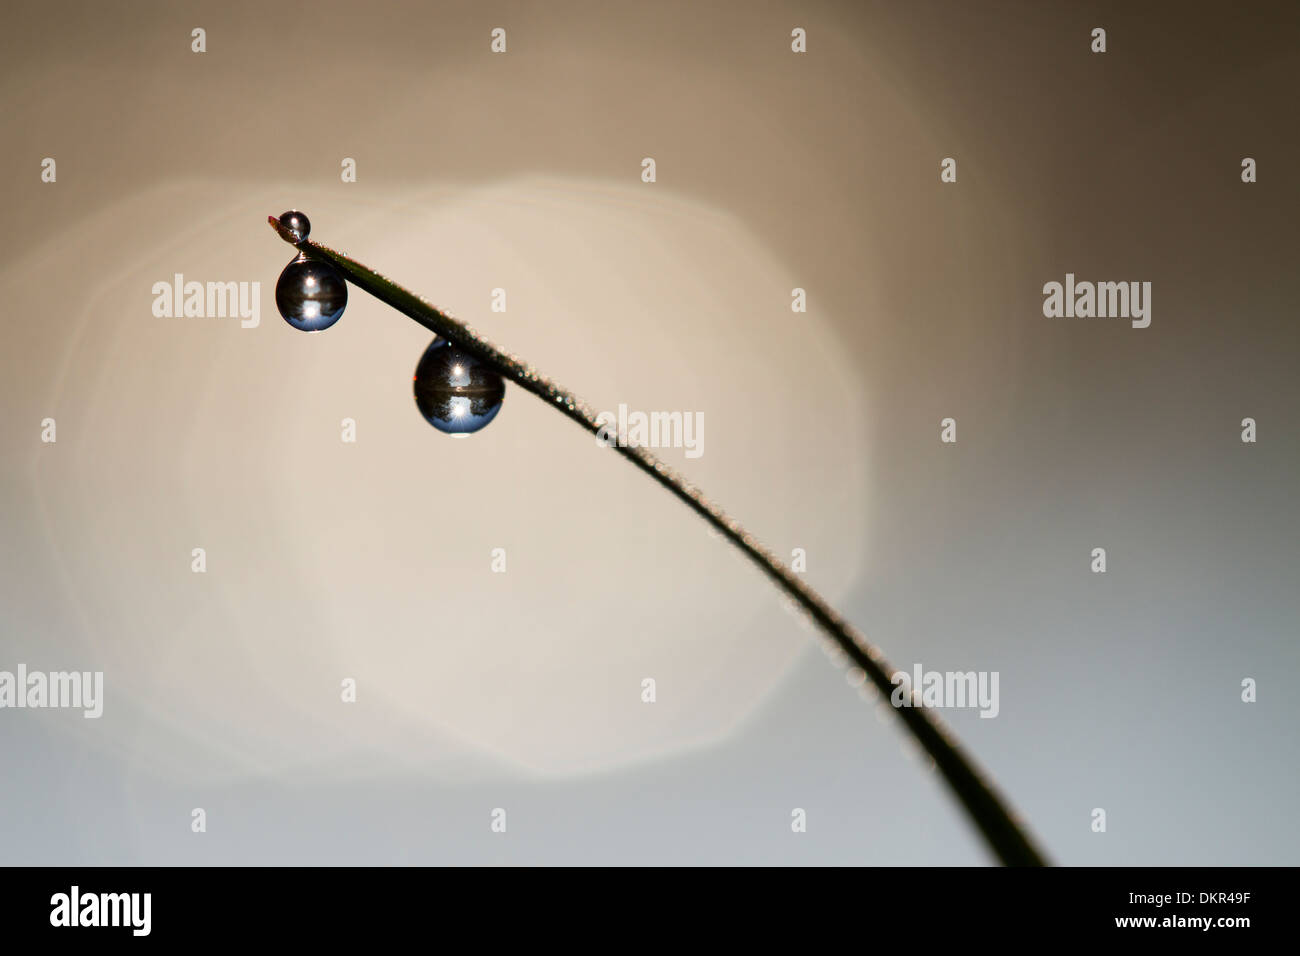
point(775, 170)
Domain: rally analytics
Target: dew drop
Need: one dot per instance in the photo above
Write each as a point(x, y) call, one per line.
point(310, 294)
point(454, 391)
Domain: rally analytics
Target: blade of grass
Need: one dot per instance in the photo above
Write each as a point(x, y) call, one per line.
point(1007, 839)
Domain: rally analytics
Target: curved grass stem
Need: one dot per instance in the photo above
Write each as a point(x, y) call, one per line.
point(1007, 839)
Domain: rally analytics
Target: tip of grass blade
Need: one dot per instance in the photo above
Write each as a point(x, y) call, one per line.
point(281, 230)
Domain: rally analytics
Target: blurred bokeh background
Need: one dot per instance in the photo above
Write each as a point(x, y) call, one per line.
point(522, 170)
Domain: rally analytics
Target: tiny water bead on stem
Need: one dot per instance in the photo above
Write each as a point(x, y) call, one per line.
point(985, 807)
point(296, 224)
